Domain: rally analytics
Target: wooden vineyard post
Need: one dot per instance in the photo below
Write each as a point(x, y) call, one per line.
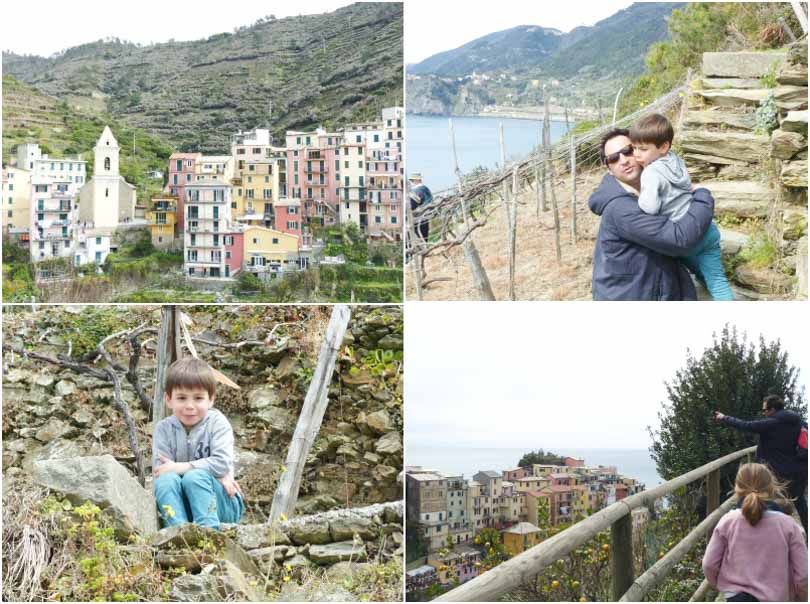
point(573, 190)
point(712, 491)
point(167, 354)
point(510, 226)
point(479, 275)
point(513, 234)
point(554, 209)
point(309, 422)
point(621, 558)
point(416, 256)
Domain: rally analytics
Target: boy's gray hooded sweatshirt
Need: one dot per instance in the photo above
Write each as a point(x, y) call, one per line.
point(666, 187)
point(207, 446)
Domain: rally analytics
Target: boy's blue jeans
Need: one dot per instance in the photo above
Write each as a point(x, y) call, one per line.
point(706, 262)
point(197, 497)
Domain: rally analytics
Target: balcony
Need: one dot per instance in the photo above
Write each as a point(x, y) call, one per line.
point(316, 169)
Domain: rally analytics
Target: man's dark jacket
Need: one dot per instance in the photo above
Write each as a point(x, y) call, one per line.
point(777, 440)
point(635, 252)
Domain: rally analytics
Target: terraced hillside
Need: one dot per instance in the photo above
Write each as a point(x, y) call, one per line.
point(312, 70)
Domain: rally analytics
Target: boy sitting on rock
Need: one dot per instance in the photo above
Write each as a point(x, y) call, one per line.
point(192, 452)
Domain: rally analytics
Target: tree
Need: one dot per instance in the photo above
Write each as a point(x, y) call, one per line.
point(731, 376)
point(540, 457)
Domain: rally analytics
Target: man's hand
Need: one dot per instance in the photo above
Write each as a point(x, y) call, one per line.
point(231, 486)
point(718, 417)
point(169, 465)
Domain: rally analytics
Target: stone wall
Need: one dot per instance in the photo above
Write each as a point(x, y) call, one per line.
point(758, 180)
point(51, 412)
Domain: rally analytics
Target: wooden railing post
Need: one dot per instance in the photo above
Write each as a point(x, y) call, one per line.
point(621, 558)
point(712, 491)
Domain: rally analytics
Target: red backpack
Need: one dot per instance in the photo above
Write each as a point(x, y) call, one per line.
point(801, 443)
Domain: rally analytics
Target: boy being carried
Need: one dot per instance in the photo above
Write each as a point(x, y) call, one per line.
point(667, 189)
point(192, 452)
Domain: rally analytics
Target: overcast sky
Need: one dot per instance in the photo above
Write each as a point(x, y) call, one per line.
point(49, 26)
point(432, 27)
point(563, 374)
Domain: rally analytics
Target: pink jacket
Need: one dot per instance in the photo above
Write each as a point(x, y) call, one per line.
point(768, 561)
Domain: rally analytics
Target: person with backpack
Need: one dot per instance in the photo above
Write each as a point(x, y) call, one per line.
point(757, 552)
point(778, 447)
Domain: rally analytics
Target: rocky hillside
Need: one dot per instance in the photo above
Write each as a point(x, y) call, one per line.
point(52, 412)
point(313, 69)
point(744, 137)
point(591, 59)
point(62, 431)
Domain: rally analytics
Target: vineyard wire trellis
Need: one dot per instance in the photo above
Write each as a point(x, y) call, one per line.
point(454, 214)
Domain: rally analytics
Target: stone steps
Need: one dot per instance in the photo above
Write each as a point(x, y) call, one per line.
point(741, 64)
point(737, 83)
point(726, 147)
point(740, 198)
point(732, 242)
point(717, 118)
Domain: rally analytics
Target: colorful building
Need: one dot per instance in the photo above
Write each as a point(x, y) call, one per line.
point(270, 253)
point(426, 505)
point(16, 203)
point(210, 249)
point(31, 158)
point(524, 535)
point(53, 218)
point(161, 215)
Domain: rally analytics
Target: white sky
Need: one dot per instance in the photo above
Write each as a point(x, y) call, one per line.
point(557, 374)
point(48, 26)
point(432, 27)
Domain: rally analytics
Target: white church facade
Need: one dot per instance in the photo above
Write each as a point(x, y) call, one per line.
point(106, 200)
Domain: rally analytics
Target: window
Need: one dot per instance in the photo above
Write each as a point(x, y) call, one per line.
point(393, 219)
point(193, 239)
point(358, 138)
point(376, 138)
point(227, 255)
point(275, 240)
point(378, 219)
point(10, 187)
point(216, 240)
point(192, 255)
point(240, 152)
point(106, 163)
point(106, 192)
point(255, 240)
point(98, 240)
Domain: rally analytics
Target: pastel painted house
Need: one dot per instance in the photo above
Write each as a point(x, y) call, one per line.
point(210, 249)
point(53, 218)
point(521, 537)
point(270, 253)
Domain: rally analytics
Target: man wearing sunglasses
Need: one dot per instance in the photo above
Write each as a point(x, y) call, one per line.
point(636, 253)
point(778, 435)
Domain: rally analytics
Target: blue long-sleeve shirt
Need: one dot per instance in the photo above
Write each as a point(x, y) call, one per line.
point(207, 446)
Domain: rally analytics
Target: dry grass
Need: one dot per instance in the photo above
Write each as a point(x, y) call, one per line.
point(538, 275)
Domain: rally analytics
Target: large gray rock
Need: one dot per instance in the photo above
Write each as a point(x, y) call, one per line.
point(763, 280)
point(745, 199)
point(379, 422)
point(734, 97)
point(718, 118)
point(56, 449)
point(256, 536)
point(105, 482)
point(732, 242)
point(741, 64)
point(196, 588)
point(312, 592)
point(785, 145)
point(53, 429)
point(346, 526)
point(791, 98)
point(193, 537)
point(719, 83)
point(263, 396)
point(338, 552)
point(65, 387)
point(736, 146)
point(795, 121)
point(390, 444)
point(794, 174)
point(312, 529)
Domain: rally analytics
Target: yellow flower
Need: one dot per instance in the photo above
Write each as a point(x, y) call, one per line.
point(286, 578)
point(283, 517)
point(169, 510)
point(283, 469)
point(288, 567)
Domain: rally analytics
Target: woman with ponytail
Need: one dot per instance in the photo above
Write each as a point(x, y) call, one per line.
point(757, 552)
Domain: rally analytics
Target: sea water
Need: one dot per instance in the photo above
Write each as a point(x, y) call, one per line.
point(477, 144)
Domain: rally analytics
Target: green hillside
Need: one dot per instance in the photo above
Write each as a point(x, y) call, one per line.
point(312, 70)
point(61, 130)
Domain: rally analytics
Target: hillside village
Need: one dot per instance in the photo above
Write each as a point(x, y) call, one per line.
point(446, 513)
point(254, 210)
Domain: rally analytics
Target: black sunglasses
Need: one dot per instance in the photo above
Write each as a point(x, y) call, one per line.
point(614, 157)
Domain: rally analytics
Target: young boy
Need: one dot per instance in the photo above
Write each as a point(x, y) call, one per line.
point(192, 452)
point(667, 189)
